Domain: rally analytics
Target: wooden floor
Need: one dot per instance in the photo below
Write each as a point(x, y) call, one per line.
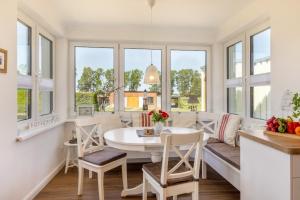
point(64, 186)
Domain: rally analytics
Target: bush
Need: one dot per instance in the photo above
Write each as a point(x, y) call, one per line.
point(85, 98)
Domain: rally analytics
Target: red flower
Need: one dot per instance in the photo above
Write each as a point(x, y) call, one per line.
point(150, 113)
point(164, 115)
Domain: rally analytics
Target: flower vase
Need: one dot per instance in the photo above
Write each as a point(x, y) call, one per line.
point(158, 127)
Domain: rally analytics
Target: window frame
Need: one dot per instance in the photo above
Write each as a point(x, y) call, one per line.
point(28, 81)
point(33, 81)
point(46, 82)
point(124, 46)
point(259, 79)
point(72, 79)
point(235, 82)
point(119, 61)
point(247, 81)
point(207, 49)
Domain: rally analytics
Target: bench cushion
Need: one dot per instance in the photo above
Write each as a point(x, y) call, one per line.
point(154, 170)
point(226, 152)
point(103, 157)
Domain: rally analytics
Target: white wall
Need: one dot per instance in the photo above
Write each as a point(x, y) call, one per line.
point(285, 42)
point(156, 34)
point(25, 164)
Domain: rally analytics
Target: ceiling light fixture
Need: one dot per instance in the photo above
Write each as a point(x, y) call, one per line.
point(152, 74)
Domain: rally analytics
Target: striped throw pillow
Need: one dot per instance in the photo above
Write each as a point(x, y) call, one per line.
point(228, 125)
point(145, 120)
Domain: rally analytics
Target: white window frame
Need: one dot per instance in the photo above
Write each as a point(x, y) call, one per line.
point(119, 64)
point(28, 81)
point(207, 49)
point(248, 80)
point(124, 46)
point(47, 84)
point(255, 80)
point(72, 83)
point(33, 82)
point(235, 82)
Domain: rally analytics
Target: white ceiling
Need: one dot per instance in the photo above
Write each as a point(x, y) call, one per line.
point(170, 13)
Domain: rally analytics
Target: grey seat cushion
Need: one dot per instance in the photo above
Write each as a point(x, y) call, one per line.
point(103, 157)
point(226, 152)
point(154, 170)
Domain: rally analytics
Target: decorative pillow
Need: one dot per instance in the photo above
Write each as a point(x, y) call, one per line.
point(186, 120)
point(110, 121)
point(228, 125)
point(141, 120)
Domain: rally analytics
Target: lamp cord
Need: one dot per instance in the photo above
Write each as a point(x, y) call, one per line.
point(151, 39)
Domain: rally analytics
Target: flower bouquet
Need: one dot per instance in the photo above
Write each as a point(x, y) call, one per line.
point(158, 118)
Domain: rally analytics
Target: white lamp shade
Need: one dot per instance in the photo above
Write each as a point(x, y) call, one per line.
point(151, 75)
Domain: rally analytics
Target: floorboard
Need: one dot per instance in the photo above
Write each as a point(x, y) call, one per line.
point(64, 186)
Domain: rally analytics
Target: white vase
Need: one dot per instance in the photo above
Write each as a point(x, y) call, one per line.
point(158, 127)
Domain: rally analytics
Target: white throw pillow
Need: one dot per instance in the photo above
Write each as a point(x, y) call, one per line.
point(186, 120)
point(228, 125)
point(109, 121)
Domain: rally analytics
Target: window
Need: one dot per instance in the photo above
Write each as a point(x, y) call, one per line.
point(261, 52)
point(260, 102)
point(111, 76)
point(248, 85)
point(235, 100)
point(260, 68)
point(234, 68)
point(35, 68)
point(136, 62)
point(188, 80)
point(95, 78)
point(234, 61)
point(24, 67)
point(46, 75)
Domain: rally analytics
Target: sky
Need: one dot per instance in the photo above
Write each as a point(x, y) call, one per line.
point(136, 58)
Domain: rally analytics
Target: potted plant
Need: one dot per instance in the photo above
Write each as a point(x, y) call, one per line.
point(158, 118)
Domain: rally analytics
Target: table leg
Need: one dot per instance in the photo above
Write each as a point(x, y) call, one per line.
point(156, 157)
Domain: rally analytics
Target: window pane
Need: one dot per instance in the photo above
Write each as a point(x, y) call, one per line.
point(188, 81)
point(234, 61)
point(45, 57)
point(235, 100)
point(45, 102)
point(24, 104)
point(95, 77)
point(136, 63)
point(261, 52)
point(260, 102)
point(23, 49)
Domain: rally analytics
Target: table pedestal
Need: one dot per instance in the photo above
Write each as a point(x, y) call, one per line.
point(155, 158)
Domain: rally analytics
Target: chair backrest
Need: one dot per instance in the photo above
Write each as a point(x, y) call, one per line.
point(208, 122)
point(171, 142)
point(89, 135)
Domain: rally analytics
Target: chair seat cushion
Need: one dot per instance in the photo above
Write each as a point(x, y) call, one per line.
point(154, 170)
point(226, 152)
point(103, 157)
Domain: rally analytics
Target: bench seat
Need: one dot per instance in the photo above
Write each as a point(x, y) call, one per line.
point(228, 153)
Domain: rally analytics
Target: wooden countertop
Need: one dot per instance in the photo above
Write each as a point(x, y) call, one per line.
point(286, 145)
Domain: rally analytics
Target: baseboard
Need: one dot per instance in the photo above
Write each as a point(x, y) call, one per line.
point(36, 190)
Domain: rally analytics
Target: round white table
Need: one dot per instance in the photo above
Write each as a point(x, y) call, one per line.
point(127, 139)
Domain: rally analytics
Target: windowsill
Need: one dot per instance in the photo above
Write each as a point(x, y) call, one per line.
point(27, 134)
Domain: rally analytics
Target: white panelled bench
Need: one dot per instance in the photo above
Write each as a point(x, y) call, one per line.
point(224, 159)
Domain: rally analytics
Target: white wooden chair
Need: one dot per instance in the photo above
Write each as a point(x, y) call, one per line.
point(174, 178)
point(93, 156)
